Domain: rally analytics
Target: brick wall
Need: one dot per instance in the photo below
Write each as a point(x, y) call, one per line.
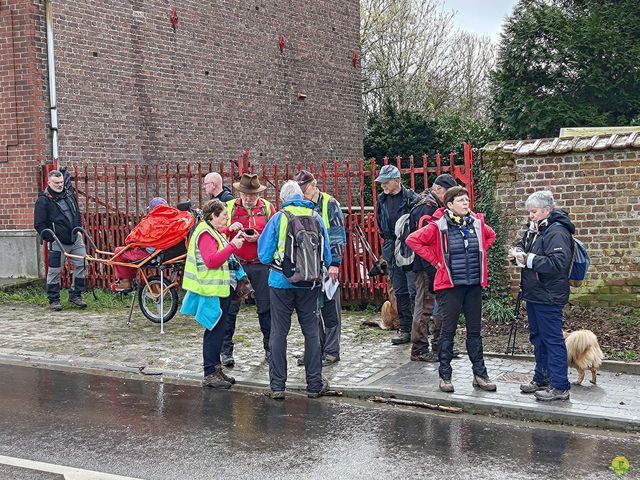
point(601, 192)
point(130, 89)
point(23, 110)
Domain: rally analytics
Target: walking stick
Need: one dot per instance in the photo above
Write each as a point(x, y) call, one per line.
point(511, 343)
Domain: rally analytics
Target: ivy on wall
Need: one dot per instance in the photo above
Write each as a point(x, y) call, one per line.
point(499, 300)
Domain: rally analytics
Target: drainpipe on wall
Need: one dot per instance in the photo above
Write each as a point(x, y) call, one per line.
point(51, 64)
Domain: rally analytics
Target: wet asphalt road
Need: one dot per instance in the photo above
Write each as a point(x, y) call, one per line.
point(155, 431)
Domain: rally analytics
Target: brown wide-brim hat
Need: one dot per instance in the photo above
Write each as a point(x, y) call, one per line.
point(249, 183)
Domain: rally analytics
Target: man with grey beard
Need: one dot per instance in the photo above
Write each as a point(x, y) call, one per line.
point(56, 209)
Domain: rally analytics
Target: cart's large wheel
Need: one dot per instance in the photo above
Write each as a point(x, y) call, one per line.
point(149, 299)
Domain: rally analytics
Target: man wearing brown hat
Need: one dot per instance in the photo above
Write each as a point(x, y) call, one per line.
point(424, 319)
point(329, 210)
point(249, 214)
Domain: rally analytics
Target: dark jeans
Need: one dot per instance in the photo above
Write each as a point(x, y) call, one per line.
point(305, 302)
point(212, 339)
point(330, 325)
point(451, 302)
point(545, 334)
point(404, 286)
point(259, 277)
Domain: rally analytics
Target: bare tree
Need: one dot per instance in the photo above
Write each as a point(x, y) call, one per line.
point(413, 58)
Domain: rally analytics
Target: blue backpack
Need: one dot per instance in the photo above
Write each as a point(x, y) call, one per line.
point(579, 262)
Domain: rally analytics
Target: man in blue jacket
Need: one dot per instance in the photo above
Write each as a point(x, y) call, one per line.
point(285, 297)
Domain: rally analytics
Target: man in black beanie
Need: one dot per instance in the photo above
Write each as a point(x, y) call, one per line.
point(423, 320)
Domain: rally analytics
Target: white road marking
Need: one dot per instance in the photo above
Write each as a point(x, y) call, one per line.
point(69, 473)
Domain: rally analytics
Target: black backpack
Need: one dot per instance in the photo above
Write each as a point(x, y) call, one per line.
point(303, 262)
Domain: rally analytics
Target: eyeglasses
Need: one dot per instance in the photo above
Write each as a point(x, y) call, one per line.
point(207, 183)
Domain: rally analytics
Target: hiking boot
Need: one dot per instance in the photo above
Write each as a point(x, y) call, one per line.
point(446, 386)
point(78, 302)
point(330, 360)
point(227, 378)
point(56, 306)
point(278, 395)
point(425, 357)
point(401, 338)
point(227, 360)
point(484, 384)
point(533, 387)
point(552, 394)
point(216, 380)
point(323, 390)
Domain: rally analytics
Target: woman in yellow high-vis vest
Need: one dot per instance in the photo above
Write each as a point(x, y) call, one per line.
point(210, 272)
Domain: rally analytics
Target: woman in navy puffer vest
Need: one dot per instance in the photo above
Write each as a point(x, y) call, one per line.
point(456, 244)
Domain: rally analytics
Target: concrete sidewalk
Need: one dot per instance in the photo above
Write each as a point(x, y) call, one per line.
point(370, 365)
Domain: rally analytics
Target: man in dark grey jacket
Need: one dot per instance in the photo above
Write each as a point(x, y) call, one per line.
point(395, 201)
point(544, 254)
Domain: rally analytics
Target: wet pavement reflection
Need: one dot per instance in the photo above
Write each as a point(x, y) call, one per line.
point(155, 430)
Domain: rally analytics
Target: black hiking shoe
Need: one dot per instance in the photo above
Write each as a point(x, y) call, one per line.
point(78, 302)
point(401, 338)
point(323, 390)
point(275, 395)
point(533, 387)
point(56, 306)
point(227, 360)
point(552, 394)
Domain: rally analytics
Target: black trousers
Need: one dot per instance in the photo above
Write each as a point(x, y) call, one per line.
point(259, 277)
point(465, 299)
point(212, 339)
point(305, 302)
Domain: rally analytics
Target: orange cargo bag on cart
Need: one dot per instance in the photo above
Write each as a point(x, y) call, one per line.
point(163, 227)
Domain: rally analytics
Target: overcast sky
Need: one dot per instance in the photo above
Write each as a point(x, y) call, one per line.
point(480, 16)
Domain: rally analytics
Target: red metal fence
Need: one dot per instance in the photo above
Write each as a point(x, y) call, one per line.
point(113, 198)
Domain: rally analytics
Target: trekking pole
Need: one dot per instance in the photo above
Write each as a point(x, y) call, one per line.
point(511, 343)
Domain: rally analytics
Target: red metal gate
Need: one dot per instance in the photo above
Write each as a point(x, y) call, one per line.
point(113, 198)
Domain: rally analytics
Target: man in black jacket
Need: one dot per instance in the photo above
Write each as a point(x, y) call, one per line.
point(544, 254)
point(57, 209)
point(428, 202)
point(214, 188)
point(395, 201)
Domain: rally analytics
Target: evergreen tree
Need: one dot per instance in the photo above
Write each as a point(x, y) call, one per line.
point(567, 63)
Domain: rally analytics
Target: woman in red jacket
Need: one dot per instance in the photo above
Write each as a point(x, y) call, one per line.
point(455, 242)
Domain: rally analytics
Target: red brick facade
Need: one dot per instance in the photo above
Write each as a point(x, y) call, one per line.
point(23, 110)
point(132, 89)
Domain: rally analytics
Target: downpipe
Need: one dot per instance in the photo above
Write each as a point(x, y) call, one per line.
point(51, 66)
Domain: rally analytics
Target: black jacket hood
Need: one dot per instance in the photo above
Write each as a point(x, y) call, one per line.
point(561, 217)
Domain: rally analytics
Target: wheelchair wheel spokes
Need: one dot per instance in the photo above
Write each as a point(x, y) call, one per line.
point(149, 299)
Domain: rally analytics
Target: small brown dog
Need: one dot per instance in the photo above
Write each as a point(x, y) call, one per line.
point(389, 314)
point(584, 353)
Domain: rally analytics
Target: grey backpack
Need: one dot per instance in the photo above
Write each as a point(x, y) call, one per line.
point(303, 262)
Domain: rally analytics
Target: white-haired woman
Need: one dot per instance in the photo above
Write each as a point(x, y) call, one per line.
point(286, 297)
point(544, 253)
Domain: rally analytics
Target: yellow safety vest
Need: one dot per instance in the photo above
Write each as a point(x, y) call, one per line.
point(198, 278)
point(324, 198)
point(268, 208)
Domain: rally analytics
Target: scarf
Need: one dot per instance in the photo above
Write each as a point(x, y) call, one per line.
point(464, 224)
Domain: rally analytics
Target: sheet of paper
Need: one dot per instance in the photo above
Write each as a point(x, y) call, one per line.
point(330, 288)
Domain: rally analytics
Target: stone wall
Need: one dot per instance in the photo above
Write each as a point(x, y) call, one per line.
point(600, 188)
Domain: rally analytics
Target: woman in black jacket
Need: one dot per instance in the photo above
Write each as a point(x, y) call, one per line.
point(544, 253)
